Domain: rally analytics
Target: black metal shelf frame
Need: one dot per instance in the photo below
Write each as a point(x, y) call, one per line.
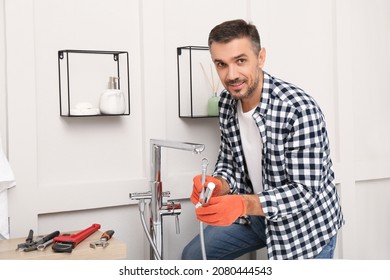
point(190, 49)
point(64, 54)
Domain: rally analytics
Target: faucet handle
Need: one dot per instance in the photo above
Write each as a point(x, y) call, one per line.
point(177, 224)
point(140, 195)
point(166, 194)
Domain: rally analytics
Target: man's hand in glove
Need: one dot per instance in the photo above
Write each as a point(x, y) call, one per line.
point(222, 210)
point(197, 187)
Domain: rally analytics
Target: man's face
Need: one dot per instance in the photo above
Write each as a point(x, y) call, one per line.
point(238, 67)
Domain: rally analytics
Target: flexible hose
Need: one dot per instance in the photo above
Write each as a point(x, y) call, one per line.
point(205, 163)
point(141, 206)
point(202, 243)
point(201, 231)
point(206, 197)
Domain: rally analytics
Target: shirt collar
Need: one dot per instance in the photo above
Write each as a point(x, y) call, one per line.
point(262, 107)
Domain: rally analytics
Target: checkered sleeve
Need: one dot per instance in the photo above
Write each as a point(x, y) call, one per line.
point(301, 175)
point(224, 166)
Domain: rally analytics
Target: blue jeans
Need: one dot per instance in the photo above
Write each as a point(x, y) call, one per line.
point(231, 242)
point(228, 243)
point(328, 251)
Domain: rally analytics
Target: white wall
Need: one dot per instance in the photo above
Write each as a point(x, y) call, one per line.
point(3, 100)
point(74, 172)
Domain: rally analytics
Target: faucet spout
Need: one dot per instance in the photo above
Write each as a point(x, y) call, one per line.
point(155, 147)
point(156, 207)
point(195, 148)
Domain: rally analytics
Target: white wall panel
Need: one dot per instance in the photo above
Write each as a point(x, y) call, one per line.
point(371, 84)
point(86, 149)
point(3, 96)
point(65, 164)
point(22, 133)
point(345, 107)
point(373, 241)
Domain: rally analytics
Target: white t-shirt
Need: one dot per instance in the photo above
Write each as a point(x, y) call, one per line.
point(252, 146)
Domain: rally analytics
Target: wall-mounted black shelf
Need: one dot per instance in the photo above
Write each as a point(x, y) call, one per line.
point(198, 83)
point(83, 77)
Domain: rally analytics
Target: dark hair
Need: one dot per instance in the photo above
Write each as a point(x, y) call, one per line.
point(235, 29)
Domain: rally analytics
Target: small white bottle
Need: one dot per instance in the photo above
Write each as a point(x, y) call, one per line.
point(112, 101)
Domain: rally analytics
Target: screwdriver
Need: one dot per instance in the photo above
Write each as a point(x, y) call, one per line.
point(103, 240)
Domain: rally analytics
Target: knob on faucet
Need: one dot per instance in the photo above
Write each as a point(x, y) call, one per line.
point(172, 208)
point(177, 224)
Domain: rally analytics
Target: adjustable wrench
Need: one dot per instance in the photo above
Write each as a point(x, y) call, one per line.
point(66, 243)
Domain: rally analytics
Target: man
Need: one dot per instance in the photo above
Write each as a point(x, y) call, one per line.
point(274, 179)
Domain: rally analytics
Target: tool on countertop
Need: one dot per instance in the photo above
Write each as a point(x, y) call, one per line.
point(31, 245)
point(28, 242)
point(43, 246)
point(66, 243)
point(103, 242)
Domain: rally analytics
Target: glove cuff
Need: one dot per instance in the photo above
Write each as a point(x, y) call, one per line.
point(244, 205)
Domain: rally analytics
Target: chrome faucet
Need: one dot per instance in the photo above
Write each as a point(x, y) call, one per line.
point(158, 208)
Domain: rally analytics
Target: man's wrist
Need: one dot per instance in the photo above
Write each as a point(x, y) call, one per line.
point(225, 186)
point(252, 205)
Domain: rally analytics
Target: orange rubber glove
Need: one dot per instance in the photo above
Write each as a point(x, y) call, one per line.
point(197, 187)
point(222, 210)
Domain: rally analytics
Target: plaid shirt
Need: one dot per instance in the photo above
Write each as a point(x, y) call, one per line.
point(299, 199)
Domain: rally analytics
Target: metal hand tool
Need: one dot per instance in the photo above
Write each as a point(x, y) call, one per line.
point(28, 242)
point(43, 246)
point(31, 245)
point(66, 243)
point(103, 242)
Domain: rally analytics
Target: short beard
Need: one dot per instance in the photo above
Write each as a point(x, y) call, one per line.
point(251, 90)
